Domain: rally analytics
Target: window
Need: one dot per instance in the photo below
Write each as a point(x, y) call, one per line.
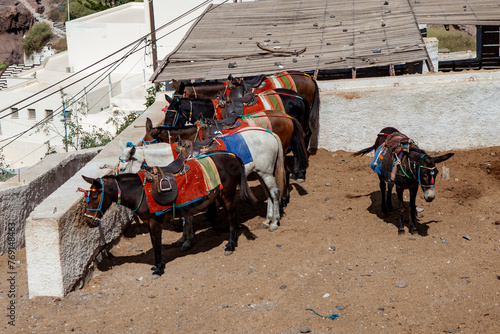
point(14, 113)
point(67, 115)
point(48, 113)
point(31, 114)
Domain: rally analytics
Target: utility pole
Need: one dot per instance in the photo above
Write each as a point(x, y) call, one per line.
point(153, 34)
point(65, 126)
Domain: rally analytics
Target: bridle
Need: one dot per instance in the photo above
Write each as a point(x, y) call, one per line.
point(94, 220)
point(414, 168)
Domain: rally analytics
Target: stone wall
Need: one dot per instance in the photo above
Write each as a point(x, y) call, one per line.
point(22, 193)
point(61, 250)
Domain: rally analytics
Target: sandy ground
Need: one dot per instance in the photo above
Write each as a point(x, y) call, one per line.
point(374, 279)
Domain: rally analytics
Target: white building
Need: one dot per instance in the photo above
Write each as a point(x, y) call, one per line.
point(28, 98)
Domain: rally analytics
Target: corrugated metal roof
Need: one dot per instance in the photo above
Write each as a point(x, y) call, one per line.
point(266, 36)
point(475, 12)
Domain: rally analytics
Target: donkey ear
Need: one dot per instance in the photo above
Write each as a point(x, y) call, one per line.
point(88, 179)
point(149, 124)
point(175, 84)
point(442, 158)
point(230, 77)
point(182, 87)
point(168, 98)
point(177, 139)
point(123, 146)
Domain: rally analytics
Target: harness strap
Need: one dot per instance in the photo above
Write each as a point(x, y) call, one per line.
point(119, 201)
point(142, 196)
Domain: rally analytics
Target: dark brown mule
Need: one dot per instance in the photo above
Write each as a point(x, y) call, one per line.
point(413, 168)
point(301, 82)
point(168, 134)
point(128, 190)
point(207, 90)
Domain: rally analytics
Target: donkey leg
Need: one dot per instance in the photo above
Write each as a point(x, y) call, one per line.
point(401, 208)
point(273, 203)
point(185, 242)
point(154, 227)
point(298, 174)
point(389, 195)
point(233, 238)
point(413, 210)
point(382, 191)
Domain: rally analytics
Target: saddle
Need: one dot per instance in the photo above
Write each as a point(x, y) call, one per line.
point(188, 149)
point(164, 186)
point(255, 81)
point(395, 145)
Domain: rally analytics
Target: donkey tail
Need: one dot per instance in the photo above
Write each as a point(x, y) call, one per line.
point(314, 115)
point(245, 191)
point(279, 168)
point(365, 150)
point(298, 145)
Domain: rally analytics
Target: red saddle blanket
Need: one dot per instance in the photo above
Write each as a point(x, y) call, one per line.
point(278, 80)
point(201, 178)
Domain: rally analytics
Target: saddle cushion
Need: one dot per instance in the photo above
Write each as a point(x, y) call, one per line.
point(236, 144)
point(270, 100)
point(258, 119)
point(379, 161)
point(279, 80)
point(193, 186)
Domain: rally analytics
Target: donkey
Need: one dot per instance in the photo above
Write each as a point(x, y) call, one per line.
point(408, 168)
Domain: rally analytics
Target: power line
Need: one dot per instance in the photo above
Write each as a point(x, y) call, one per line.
point(99, 61)
point(138, 41)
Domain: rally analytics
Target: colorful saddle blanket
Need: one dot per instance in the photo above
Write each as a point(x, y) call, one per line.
point(278, 80)
point(193, 186)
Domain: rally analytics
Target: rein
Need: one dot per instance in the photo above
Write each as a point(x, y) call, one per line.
point(418, 169)
point(99, 209)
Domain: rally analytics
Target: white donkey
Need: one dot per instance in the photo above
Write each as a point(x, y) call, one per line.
point(267, 161)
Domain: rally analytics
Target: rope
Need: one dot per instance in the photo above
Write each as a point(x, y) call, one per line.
point(333, 316)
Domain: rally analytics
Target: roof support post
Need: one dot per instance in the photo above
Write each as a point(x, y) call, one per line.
point(153, 34)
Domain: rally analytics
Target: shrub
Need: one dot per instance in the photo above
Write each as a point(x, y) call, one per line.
point(36, 38)
point(452, 40)
point(60, 44)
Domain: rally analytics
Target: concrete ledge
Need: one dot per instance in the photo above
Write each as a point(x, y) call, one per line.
point(22, 193)
point(440, 111)
point(61, 249)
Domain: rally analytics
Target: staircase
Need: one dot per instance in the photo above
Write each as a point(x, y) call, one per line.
point(58, 29)
point(12, 70)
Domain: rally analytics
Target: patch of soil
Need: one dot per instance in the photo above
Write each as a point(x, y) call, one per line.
point(375, 280)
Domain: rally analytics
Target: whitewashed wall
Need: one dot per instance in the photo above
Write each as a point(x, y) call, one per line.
point(94, 37)
point(440, 111)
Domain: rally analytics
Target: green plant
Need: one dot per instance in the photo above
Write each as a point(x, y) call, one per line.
point(122, 120)
point(4, 172)
point(36, 38)
point(3, 65)
point(151, 97)
point(453, 40)
point(60, 44)
point(50, 149)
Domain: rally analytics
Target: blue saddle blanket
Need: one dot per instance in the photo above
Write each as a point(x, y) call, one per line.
point(236, 144)
point(376, 164)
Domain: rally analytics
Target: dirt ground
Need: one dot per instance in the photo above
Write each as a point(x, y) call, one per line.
point(444, 280)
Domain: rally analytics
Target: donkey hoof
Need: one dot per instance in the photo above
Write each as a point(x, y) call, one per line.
point(185, 247)
point(228, 252)
point(300, 180)
point(272, 228)
point(265, 225)
point(401, 232)
point(414, 232)
point(155, 276)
